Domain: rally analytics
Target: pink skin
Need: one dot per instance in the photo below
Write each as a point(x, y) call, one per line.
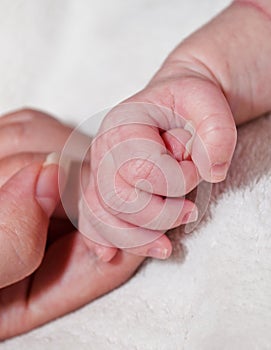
point(205, 81)
point(38, 285)
point(214, 78)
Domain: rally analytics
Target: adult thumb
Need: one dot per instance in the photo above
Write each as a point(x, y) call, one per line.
point(27, 200)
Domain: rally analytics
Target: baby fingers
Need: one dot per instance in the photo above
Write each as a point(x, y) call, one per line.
point(143, 209)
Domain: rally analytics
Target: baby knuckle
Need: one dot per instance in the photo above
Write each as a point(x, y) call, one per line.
point(116, 201)
point(141, 169)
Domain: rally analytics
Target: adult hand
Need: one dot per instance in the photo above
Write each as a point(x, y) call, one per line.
point(46, 267)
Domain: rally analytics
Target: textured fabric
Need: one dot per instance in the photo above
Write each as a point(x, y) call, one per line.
point(73, 58)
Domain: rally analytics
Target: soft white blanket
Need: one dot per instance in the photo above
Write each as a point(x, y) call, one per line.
point(73, 58)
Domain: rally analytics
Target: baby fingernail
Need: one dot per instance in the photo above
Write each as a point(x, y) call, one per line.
point(47, 188)
point(99, 251)
point(104, 254)
point(219, 171)
point(158, 253)
point(191, 216)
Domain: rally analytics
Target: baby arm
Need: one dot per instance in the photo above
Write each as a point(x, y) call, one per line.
point(181, 128)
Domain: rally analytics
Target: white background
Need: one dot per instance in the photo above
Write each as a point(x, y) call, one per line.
point(75, 57)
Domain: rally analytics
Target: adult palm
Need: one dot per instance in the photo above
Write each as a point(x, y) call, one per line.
point(46, 266)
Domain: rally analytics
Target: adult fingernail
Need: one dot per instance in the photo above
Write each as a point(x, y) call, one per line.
point(47, 188)
point(190, 217)
point(219, 171)
point(62, 161)
point(158, 253)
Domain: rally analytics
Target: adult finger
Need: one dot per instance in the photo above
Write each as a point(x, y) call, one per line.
point(61, 283)
point(28, 130)
point(28, 199)
point(10, 165)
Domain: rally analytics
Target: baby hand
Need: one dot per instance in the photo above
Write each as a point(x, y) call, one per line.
point(156, 146)
point(150, 151)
